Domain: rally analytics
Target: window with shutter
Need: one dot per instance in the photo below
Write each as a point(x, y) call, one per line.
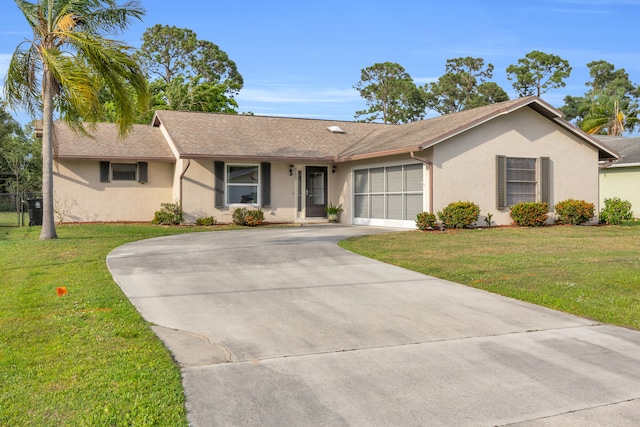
point(265, 182)
point(105, 169)
point(517, 180)
point(545, 181)
point(143, 172)
point(218, 185)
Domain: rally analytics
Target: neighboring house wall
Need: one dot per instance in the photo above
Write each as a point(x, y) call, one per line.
point(465, 165)
point(622, 182)
point(80, 196)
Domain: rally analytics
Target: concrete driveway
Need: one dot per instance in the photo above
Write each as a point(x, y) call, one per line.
point(280, 327)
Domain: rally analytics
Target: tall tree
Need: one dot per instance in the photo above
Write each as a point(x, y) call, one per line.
point(187, 73)
point(390, 94)
point(62, 67)
point(609, 106)
point(538, 72)
point(20, 159)
point(464, 85)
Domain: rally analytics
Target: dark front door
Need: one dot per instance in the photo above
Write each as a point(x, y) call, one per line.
point(316, 191)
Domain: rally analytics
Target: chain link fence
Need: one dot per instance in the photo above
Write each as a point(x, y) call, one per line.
point(17, 210)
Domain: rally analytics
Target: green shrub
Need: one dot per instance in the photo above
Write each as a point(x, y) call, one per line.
point(615, 211)
point(425, 220)
point(169, 214)
point(574, 212)
point(248, 217)
point(206, 221)
point(459, 214)
point(529, 214)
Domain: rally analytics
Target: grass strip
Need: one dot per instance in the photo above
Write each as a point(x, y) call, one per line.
point(592, 272)
point(87, 357)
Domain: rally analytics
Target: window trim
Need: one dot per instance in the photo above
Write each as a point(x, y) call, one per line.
point(409, 222)
point(228, 184)
point(141, 174)
point(543, 180)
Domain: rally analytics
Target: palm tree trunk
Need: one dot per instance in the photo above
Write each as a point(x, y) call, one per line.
point(48, 224)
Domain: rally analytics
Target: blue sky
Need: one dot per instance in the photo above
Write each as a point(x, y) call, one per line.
point(301, 59)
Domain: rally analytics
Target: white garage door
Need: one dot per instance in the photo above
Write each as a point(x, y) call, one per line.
point(388, 196)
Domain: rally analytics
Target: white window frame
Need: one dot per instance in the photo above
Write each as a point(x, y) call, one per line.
point(510, 194)
point(229, 184)
point(385, 222)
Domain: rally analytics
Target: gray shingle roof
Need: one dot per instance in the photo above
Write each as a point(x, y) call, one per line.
point(628, 148)
point(214, 135)
point(143, 142)
point(220, 135)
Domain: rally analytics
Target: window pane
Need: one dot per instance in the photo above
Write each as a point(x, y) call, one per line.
point(362, 181)
point(242, 174)
point(377, 206)
point(394, 206)
point(521, 175)
point(413, 206)
point(394, 179)
point(521, 180)
point(413, 178)
point(520, 163)
point(377, 180)
point(242, 194)
point(123, 171)
point(361, 208)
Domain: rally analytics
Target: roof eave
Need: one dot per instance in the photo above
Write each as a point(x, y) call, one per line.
point(258, 157)
point(376, 154)
point(118, 158)
point(534, 102)
point(604, 152)
point(624, 165)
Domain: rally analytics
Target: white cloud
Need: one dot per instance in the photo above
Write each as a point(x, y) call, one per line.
point(297, 95)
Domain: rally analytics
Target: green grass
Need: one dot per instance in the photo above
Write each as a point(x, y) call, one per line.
point(86, 358)
point(593, 272)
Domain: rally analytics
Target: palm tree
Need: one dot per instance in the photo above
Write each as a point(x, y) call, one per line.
point(62, 68)
point(607, 116)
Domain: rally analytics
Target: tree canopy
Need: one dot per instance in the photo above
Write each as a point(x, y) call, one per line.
point(63, 66)
point(390, 94)
point(464, 85)
point(187, 73)
point(610, 105)
point(538, 72)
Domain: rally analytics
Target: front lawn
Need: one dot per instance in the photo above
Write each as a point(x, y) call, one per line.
point(589, 271)
point(86, 358)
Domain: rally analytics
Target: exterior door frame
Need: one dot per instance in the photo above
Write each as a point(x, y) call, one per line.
point(316, 191)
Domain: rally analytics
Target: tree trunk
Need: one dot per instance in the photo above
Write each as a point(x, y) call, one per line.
point(48, 224)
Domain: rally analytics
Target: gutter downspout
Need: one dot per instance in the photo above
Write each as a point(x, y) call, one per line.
point(182, 176)
point(428, 163)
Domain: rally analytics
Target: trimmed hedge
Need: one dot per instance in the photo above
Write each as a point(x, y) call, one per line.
point(206, 221)
point(574, 212)
point(248, 217)
point(529, 214)
point(425, 221)
point(459, 214)
point(169, 214)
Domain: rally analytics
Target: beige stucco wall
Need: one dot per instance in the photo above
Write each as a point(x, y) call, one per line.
point(79, 196)
point(198, 196)
point(623, 183)
point(465, 166)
